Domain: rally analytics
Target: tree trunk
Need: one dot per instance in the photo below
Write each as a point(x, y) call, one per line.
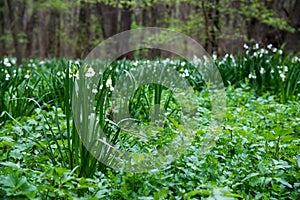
point(208, 39)
point(2, 30)
point(126, 14)
point(109, 20)
point(15, 30)
point(30, 33)
point(84, 32)
point(293, 39)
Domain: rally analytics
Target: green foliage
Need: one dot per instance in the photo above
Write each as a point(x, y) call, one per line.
point(255, 157)
point(265, 70)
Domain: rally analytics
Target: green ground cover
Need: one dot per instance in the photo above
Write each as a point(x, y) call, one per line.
point(257, 156)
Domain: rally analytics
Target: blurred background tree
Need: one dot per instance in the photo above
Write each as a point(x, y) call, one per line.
point(71, 28)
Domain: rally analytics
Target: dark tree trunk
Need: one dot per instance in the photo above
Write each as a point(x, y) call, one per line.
point(30, 34)
point(208, 39)
point(15, 30)
point(53, 27)
point(126, 14)
point(2, 29)
point(84, 32)
point(293, 39)
point(109, 20)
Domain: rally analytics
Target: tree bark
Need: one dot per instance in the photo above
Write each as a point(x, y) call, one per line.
point(2, 30)
point(126, 14)
point(293, 39)
point(15, 30)
point(109, 20)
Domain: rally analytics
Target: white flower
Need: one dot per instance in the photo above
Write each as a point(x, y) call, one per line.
point(112, 88)
point(90, 72)
point(262, 70)
point(252, 76)
point(32, 65)
point(214, 57)
point(108, 83)
point(6, 62)
point(27, 76)
point(269, 46)
point(101, 86)
point(280, 51)
point(94, 91)
point(282, 76)
point(135, 63)
point(256, 46)
point(42, 62)
point(285, 68)
point(7, 76)
point(13, 61)
point(246, 46)
point(186, 72)
point(58, 73)
point(275, 50)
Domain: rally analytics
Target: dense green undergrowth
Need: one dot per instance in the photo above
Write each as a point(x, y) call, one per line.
point(257, 156)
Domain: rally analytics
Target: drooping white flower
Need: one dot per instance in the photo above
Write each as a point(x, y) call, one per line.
point(94, 91)
point(282, 76)
point(90, 72)
point(108, 83)
point(186, 72)
point(252, 76)
point(269, 46)
point(6, 62)
point(214, 57)
point(7, 76)
point(27, 76)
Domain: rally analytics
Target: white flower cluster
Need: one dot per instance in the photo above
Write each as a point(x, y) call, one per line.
point(109, 84)
point(72, 70)
point(13, 73)
point(184, 73)
point(90, 72)
point(259, 52)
